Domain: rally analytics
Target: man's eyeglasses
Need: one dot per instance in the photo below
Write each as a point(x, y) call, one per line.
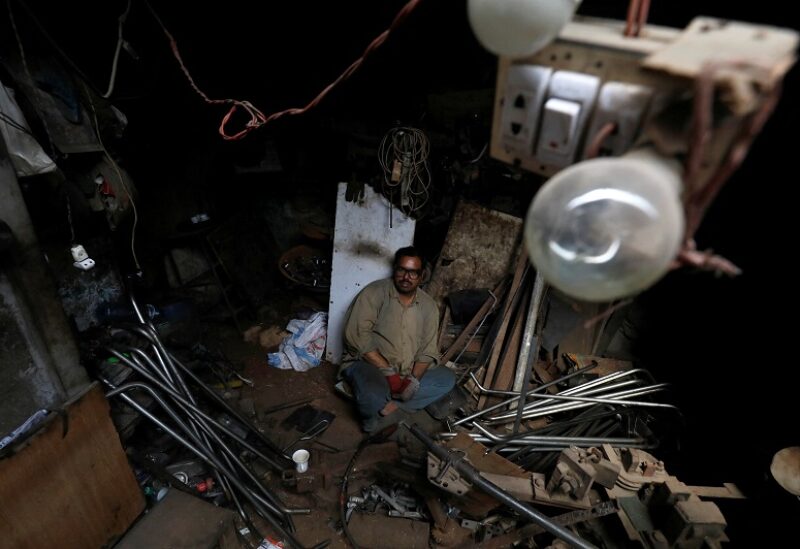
point(413, 274)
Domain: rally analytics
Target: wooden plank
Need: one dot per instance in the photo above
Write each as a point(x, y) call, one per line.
point(485, 309)
point(70, 484)
point(508, 364)
point(514, 294)
point(726, 491)
point(180, 520)
point(478, 250)
point(443, 328)
point(760, 53)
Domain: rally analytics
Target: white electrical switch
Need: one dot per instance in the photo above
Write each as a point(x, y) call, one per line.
point(570, 98)
point(559, 121)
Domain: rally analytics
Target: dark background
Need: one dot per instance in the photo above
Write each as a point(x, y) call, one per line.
point(725, 344)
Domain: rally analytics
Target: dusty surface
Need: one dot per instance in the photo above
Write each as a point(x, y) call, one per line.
point(479, 250)
point(273, 387)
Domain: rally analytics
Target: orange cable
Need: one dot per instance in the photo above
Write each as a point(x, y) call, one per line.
point(597, 141)
point(630, 20)
point(257, 118)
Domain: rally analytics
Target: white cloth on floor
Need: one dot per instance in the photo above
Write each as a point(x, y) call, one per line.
point(302, 349)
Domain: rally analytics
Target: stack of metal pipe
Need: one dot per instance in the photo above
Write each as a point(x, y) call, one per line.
point(185, 410)
point(605, 410)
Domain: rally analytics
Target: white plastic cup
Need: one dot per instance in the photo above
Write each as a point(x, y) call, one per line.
point(300, 458)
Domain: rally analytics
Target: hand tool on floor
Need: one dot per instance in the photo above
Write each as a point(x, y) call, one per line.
point(310, 433)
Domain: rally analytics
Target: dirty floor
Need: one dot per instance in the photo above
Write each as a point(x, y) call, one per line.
point(273, 387)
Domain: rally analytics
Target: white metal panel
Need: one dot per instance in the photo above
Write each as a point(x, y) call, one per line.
point(363, 249)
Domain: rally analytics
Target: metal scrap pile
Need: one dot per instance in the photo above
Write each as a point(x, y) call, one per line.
point(161, 388)
point(574, 441)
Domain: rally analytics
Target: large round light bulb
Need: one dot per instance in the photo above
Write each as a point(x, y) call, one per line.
point(517, 28)
point(609, 227)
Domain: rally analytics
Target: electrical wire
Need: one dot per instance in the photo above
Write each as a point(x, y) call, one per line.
point(69, 220)
point(257, 118)
point(28, 70)
point(13, 123)
point(343, 491)
point(121, 180)
point(380, 436)
point(120, 41)
point(593, 150)
point(636, 17)
point(52, 42)
point(403, 155)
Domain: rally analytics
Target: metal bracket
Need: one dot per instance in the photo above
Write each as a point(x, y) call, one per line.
point(442, 474)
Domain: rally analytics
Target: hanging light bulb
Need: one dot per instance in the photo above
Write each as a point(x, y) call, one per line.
point(609, 227)
point(517, 28)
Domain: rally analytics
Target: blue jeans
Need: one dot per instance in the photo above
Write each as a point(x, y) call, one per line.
point(372, 390)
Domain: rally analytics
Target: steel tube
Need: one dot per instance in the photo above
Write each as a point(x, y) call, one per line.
point(178, 397)
point(149, 334)
point(277, 505)
point(598, 400)
point(548, 439)
point(474, 476)
point(542, 411)
point(545, 398)
point(120, 391)
point(193, 410)
point(529, 347)
point(517, 397)
point(553, 446)
point(228, 408)
point(185, 426)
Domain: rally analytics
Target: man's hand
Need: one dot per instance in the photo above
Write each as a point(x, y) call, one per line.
point(396, 383)
point(410, 389)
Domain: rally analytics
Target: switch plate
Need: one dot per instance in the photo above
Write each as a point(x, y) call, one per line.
point(522, 103)
point(85, 264)
point(625, 105)
point(559, 121)
point(570, 87)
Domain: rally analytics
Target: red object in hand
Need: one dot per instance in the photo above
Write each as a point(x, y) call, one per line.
point(396, 383)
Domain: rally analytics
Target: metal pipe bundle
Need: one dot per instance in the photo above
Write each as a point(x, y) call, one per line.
point(187, 419)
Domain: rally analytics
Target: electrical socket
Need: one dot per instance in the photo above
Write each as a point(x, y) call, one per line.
point(526, 87)
point(84, 264)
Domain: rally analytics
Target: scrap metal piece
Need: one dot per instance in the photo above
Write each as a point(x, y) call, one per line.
point(473, 475)
point(692, 523)
point(446, 477)
point(577, 469)
point(567, 519)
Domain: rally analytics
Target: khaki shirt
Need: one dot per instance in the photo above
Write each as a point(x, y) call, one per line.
point(377, 321)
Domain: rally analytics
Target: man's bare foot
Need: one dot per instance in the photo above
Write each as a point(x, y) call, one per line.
point(390, 407)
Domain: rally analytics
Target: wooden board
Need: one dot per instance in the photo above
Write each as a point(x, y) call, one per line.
point(509, 306)
point(180, 521)
point(504, 377)
point(72, 489)
point(479, 249)
point(488, 306)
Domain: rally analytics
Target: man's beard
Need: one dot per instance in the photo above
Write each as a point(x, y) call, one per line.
point(404, 291)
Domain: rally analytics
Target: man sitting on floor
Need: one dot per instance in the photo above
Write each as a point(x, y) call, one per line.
point(390, 341)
